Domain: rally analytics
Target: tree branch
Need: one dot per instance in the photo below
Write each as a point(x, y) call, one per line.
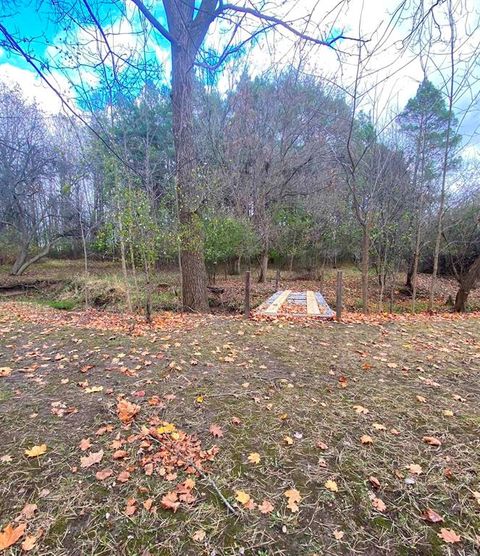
point(154, 21)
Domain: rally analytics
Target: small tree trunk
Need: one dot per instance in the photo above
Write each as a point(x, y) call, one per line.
point(291, 262)
point(263, 266)
point(365, 265)
point(19, 261)
point(467, 283)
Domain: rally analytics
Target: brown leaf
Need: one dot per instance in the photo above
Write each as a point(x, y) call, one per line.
point(432, 516)
point(449, 535)
point(415, 468)
point(126, 410)
point(123, 477)
point(170, 501)
point(321, 445)
point(293, 497)
point(265, 507)
point(379, 504)
point(92, 459)
point(148, 469)
point(10, 535)
point(29, 510)
point(199, 535)
point(31, 540)
point(338, 534)
point(119, 454)
point(432, 441)
point(103, 474)
point(366, 439)
point(147, 504)
point(236, 421)
point(131, 507)
point(216, 431)
point(85, 444)
point(374, 481)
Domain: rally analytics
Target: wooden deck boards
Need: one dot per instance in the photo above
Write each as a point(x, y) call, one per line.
point(312, 305)
point(275, 306)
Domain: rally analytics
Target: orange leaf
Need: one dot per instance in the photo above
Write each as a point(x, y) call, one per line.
point(170, 501)
point(449, 535)
point(131, 507)
point(379, 504)
point(10, 535)
point(29, 510)
point(123, 477)
point(293, 497)
point(126, 410)
point(85, 444)
point(366, 439)
point(432, 440)
point(265, 507)
point(216, 431)
point(103, 474)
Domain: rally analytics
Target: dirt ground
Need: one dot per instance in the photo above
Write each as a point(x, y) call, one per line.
point(354, 438)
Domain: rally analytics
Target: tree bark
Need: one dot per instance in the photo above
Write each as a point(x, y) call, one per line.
point(263, 267)
point(365, 265)
point(467, 283)
point(192, 262)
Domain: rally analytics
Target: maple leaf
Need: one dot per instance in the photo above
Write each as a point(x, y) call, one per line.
point(288, 440)
point(148, 469)
point(36, 451)
point(85, 444)
point(379, 427)
point(103, 474)
point(131, 507)
point(415, 468)
point(199, 535)
point(265, 507)
point(449, 535)
point(448, 413)
point(421, 399)
point(236, 421)
point(360, 409)
point(432, 516)
point(378, 504)
point(242, 497)
point(10, 535)
point(366, 439)
point(5, 371)
point(92, 459)
point(432, 441)
point(321, 445)
point(29, 511)
point(331, 485)
point(126, 410)
point(293, 497)
point(7, 458)
point(216, 431)
point(119, 454)
point(147, 504)
point(338, 534)
point(254, 457)
point(170, 501)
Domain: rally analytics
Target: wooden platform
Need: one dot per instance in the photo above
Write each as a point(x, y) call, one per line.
point(296, 304)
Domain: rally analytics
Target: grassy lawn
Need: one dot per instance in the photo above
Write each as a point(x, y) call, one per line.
point(302, 397)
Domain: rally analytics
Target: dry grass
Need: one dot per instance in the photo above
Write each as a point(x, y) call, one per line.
point(279, 379)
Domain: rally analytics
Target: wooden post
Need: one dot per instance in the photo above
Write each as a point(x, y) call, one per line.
point(247, 295)
point(392, 297)
point(321, 281)
point(339, 295)
point(277, 280)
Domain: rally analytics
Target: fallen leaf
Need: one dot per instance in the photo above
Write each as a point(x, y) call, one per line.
point(421, 399)
point(254, 457)
point(199, 535)
point(331, 485)
point(131, 507)
point(216, 431)
point(93, 389)
point(360, 409)
point(265, 507)
point(242, 497)
point(31, 540)
point(170, 501)
point(415, 468)
point(29, 511)
point(293, 497)
point(432, 516)
point(7, 458)
point(366, 439)
point(126, 410)
point(103, 474)
point(379, 504)
point(448, 412)
point(449, 535)
point(338, 534)
point(288, 440)
point(432, 441)
point(321, 445)
point(10, 535)
point(123, 477)
point(85, 444)
point(236, 421)
point(5, 371)
point(36, 451)
point(379, 427)
point(92, 459)
point(374, 481)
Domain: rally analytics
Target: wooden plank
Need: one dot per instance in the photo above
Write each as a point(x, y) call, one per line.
point(275, 306)
point(312, 305)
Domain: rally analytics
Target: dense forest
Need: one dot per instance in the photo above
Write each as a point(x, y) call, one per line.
point(286, 168)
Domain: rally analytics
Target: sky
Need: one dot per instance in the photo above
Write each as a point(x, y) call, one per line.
point(389, 77)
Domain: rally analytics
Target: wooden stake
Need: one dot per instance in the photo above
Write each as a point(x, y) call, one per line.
point(247, 295)
point(339, 295)
point(277, 280)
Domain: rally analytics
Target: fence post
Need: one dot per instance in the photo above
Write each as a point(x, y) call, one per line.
point(277, 280)
point(247, 295)
point(321, 281)
point(339, 295)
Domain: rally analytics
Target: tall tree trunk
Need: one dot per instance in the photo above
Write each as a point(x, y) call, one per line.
point(192, 262)
point(365, 264)
point(19, 261)
point(467, 283)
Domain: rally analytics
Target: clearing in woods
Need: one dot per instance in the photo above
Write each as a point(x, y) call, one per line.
point(323, 438)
